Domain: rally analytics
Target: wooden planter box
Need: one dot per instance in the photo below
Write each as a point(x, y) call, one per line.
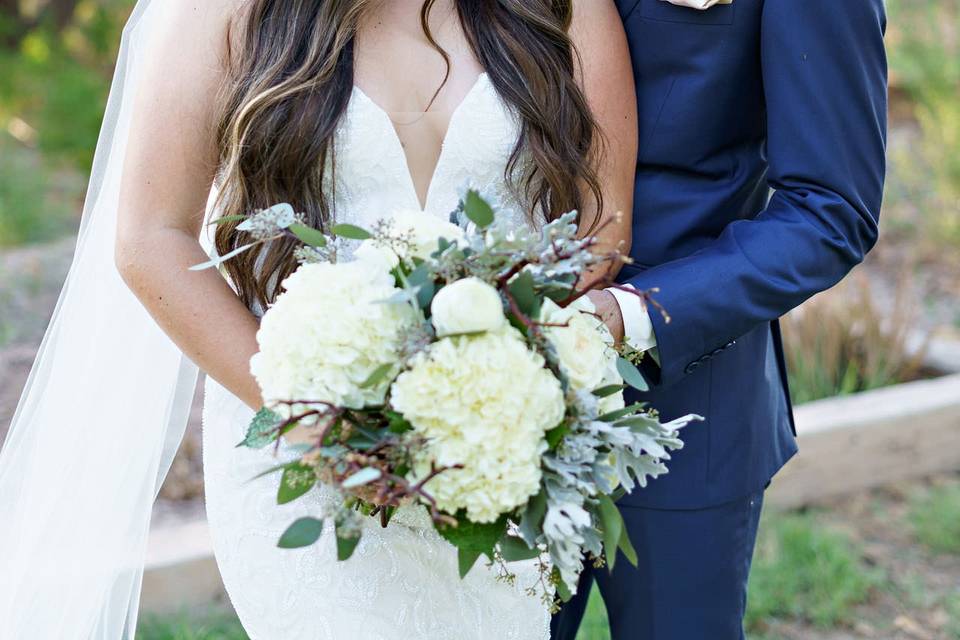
point(869, 439)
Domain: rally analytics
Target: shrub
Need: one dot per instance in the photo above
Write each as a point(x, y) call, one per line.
point(924, 46)
point(840, 342)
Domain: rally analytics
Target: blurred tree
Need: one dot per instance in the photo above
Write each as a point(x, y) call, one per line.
point(57, 58)
point(18, 18)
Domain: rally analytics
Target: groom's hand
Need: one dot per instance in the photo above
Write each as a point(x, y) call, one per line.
point(609, 312)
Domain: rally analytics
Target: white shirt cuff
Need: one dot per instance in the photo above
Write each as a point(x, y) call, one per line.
point(637, 326)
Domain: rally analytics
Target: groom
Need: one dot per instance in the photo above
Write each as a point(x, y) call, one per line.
point(761, 166)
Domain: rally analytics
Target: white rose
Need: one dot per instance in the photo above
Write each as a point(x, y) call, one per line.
point(585, 349)
point(467, 306)
point(583, 346)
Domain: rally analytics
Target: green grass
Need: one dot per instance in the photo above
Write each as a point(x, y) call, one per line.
point(218, 625)
point(805, 572)
point(26, 214)
point(935, 518)
point(953, 610)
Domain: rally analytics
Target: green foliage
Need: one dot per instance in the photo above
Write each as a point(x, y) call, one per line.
point(57, 76)
point(308, 235)
point(595, 624)
point(262, 430)
point(297, 479)
point(803, 571)
point(27, 212)
point(351, 231)
point(477, 209)
point(935, 518)
point(473, 539)
point(924, 47)
point(213, 625)
point(841, 342)
point(302, 533)
point(57, 60)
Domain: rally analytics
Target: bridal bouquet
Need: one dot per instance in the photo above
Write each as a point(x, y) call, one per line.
point(455, 365)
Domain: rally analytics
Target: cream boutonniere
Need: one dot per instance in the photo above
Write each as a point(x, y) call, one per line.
point(698, 4)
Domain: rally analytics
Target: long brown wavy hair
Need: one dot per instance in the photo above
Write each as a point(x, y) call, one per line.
point(290, 78)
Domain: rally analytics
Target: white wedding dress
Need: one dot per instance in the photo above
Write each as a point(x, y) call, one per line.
point(402, 582)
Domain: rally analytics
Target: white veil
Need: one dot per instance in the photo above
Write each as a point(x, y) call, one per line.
point(100, 419)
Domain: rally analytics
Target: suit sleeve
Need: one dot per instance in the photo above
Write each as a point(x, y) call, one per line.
point(825, 83)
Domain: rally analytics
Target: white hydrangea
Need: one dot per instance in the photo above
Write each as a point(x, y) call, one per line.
point(484, 402)
point(328, 332)
point(585, 348)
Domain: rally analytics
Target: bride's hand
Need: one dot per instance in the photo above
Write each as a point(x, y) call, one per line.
point(609, 312)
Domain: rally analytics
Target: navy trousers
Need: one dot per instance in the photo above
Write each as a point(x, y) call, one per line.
point(691, 582)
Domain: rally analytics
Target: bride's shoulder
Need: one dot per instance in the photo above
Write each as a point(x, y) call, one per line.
point(195, 28)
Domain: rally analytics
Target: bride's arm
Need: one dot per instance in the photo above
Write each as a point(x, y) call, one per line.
point(168, 172)
point(608, 83)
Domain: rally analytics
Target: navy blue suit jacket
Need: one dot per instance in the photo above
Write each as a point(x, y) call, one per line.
point(761, 167)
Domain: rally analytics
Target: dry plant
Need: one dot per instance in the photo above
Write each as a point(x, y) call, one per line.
point(842, 341)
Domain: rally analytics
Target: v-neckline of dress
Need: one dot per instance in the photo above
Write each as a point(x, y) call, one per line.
point(480, 82)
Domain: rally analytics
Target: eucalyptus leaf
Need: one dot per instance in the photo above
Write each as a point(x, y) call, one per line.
point(514, 549)
point(555, 436)
point(302, 533)
point(216, 261)
point(270, 471)
point(613, 416)
point(308, 235)
point(477, 209)
point(562, 589)
point(351, 232)
point(262, 430)
point(346, 542)
point(611, 522)
point(626, 546)
point(631, 375)
point(379, 375)
point(425, 294)
point(524, 294)
point(473, 539)
point(297, 479)
point(397, 423)
point(466, 558)
point(609, 390)
point(362, 477)
point(531, 520)
point(223, 219)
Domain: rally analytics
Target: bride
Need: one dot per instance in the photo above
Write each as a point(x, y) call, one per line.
point(347, 109)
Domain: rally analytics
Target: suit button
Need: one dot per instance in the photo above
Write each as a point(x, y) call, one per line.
point(693, 366)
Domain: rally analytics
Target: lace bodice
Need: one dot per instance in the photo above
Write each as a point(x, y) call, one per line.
point(371, 177)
